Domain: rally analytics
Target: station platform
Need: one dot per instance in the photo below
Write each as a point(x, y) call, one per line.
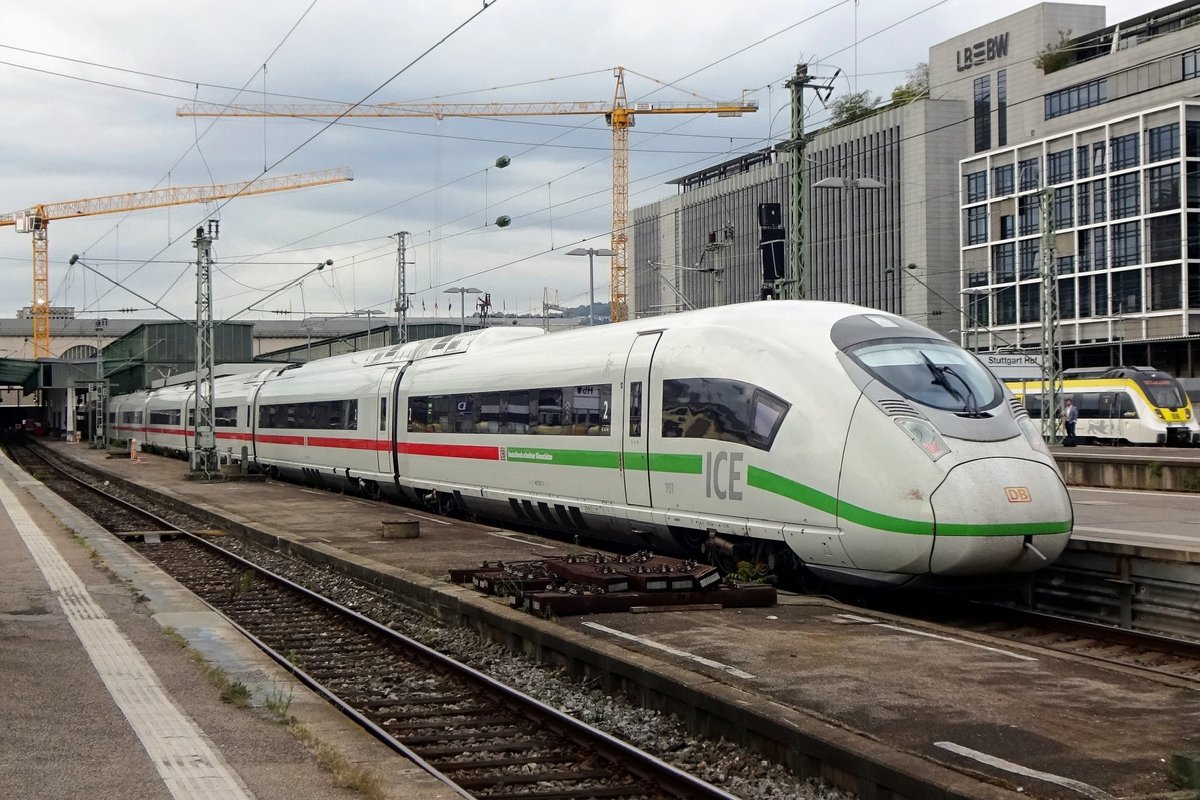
point(112, 676)
point(911, 701)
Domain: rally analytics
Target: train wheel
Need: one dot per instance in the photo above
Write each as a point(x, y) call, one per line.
point(370, 490)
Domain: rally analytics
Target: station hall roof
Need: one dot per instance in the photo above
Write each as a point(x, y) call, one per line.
point(16, 371)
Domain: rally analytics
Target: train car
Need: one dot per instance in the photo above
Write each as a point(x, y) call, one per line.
point(233, 416)
point(127, 416)
point(165, 415)
point(845, 441)
point(1130, 405)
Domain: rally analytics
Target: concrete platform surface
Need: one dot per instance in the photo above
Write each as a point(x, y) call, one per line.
point(1049, 726)
point(100, 701)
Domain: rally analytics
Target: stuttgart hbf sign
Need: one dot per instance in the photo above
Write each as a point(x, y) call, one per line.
point(1013, 366)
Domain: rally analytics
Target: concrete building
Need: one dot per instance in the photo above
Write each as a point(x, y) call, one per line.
point(1094, 132)
point(951, 234)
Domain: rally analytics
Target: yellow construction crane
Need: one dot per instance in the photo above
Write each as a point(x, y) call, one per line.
point(37, 219)
point(619, 114)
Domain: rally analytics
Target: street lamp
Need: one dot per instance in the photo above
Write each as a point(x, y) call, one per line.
point(849, 185)
point(462, 292)
point(591, 253)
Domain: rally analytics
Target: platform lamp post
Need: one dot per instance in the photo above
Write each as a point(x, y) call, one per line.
point(591, 253)
point(462, 292)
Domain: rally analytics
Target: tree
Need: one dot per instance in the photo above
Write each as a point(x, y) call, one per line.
point(1056, 55)
point(853, 106)
point(915, 86)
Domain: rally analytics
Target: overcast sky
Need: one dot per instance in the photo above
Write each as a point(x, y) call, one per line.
point(89, 93)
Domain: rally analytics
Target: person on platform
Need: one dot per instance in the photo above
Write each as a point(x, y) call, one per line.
point(1070, 417)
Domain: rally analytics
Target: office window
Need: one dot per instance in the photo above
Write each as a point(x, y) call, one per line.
point(1162, 233)
point(1166, 287)
point(1191, 64)
point(1066, 298)
point(1031, 265)
point(1031, 302)
point(1193, 139)
point(1082, 161)
point(1163, 142)
point(1058, 167)
point(1100, 294)
point(1001, 108)
point(1065, 265)
point(1083, 250)
point(1099, 201)
point(1124, 151)
point(1127, 292)
point(1076, 98)
point(1030, 178)
point(1002, 180)
point(1007, 226)
point(1126, 195)
point(1029, 214)
point(1006, 306)
point(976, 187)
point(1084, 204)
point(1004, 261)
point(1126, 244)
point(1099, 248)
point(983, 113)
point(977, 230)
point(1162, 188)
point(1084, 309)
point(1063, 208)
point(1193, 238)
point(1098, 158)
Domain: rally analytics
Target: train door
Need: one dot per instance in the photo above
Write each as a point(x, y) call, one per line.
point(388, 393)
point(635, 437)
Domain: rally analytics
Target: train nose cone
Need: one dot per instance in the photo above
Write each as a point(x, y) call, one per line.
point(999, 515)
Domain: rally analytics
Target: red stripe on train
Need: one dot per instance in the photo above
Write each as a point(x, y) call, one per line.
point(352, 444)
point(449, 450)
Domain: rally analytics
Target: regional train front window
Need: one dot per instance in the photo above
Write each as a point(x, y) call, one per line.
point(1164, 392)
point(936, 374)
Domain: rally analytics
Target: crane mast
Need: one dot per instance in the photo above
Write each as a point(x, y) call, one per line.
point(36, 221)
point(618, 114)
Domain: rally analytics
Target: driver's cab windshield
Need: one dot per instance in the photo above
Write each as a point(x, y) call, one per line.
point(932, 373)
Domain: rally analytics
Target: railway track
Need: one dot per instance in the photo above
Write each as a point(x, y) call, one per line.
point(473, 732)
point(1160, 656)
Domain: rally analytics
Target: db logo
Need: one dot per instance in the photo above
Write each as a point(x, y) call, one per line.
point(1017, 494)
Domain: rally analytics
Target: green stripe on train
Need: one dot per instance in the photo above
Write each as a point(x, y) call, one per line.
point(785, 487)
point(569, 458)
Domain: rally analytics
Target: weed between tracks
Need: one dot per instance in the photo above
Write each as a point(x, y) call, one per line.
point(278, 701)
point(344, 772)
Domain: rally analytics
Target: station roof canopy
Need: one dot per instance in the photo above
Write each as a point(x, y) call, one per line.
point(17, 371)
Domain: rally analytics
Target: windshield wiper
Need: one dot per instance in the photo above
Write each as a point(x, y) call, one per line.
point(970, 404)
point(939, 378)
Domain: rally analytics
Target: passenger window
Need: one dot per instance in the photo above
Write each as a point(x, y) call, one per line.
point(728, 411)
point(635, 409)
point(383, 413)
point(1125, 407)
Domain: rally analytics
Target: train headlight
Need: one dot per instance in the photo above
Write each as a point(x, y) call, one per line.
point(1032, 435)
point(1187, 413)
point(1159, 412)
point(925, 436)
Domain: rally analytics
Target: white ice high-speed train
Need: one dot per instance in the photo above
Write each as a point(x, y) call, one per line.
point(853, 442)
